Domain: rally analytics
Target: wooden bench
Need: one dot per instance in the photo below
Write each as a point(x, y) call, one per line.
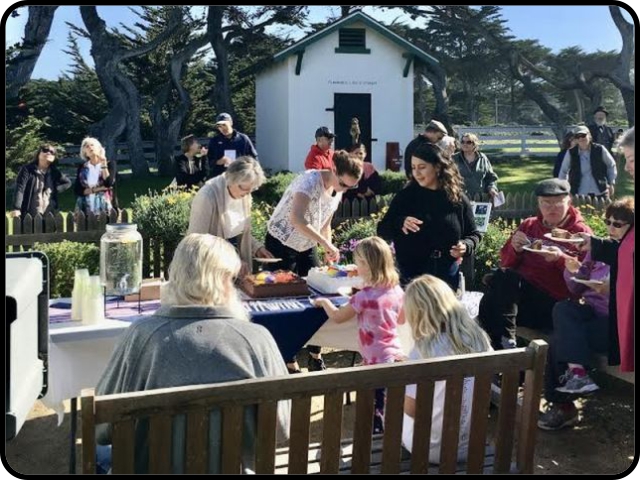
point(365, 453)
point(600, 361)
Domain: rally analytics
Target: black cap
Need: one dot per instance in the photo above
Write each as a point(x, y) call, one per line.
point(552, 187)
point(324, 132)
point(223, 117)
point(600, 109)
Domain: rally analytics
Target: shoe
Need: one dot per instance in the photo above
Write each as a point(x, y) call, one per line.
point(576, 384)
point(508, 343)
point(556, 418)
point(294, 370)
point(316, 364)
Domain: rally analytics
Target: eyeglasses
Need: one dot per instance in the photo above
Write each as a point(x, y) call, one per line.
point(613, 223)
point(549, 204)
point(467, 142)
point(48, 150)
point(348, 187)
point(580, 135)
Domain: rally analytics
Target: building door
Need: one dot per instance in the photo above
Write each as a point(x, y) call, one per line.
point(346, 107)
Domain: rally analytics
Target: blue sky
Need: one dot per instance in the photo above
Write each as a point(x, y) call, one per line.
point(555, 27)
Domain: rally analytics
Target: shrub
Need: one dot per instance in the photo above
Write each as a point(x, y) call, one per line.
point(164, 216)
point(488, 253)
point(349, 233)
point(392, 182)
point(260, 214)
point(64, 258)
point(595, 219)
point(273, 189)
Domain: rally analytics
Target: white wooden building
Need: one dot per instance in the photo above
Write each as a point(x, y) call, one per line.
point(354, 68)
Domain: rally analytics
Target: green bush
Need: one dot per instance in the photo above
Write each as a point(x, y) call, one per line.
point(273, 189)
point(392, 182)
point(163, 216)
point(488, 253)
point(595, 219)
point(260, 214)
point(349, 233)
point(64, 258)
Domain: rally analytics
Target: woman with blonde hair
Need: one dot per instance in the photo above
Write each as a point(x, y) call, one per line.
point(376, 307)
point(95, 179)
point(440, 326)
point(222, 207)
point(199, 335)
point(475, 168)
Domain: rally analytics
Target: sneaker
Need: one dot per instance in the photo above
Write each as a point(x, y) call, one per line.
point(576, 384)
point(316, 364)
point(556, 418)
point(508, 343)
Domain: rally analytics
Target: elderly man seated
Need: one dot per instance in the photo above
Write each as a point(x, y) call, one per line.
point(531, 280)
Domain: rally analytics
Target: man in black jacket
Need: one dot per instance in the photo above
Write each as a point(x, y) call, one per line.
point(228, 145)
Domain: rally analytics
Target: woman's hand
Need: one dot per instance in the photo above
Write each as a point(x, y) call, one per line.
point(244, 271)
point(572, 264)
point(411, 224)
point(604, 289)
point(87, 191)
point(321, 303)
point(458, 250)
point(331, 253)
point(585, 246)
point(263, 253)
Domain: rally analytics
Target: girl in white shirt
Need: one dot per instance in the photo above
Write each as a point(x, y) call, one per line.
point(440, 326)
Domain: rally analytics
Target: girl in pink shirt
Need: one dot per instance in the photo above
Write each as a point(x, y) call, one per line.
point(376, 308)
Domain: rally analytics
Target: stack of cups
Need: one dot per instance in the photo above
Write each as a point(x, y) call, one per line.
point(80, 282)
point(93, 302)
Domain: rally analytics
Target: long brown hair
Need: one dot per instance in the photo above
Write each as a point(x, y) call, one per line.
point(448, 175)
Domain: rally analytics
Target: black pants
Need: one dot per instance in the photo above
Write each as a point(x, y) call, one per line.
point(298, 262)
point(468, 267)
point(578, 333)
point(510, 300)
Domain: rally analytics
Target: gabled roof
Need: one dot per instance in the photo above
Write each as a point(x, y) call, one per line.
point(357, 16)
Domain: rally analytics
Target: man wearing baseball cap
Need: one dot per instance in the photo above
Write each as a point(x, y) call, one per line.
point(320, 156)
point(589, 167)
point(600, 132)
point(531, 280)
point(227, 145)
point(433, 133)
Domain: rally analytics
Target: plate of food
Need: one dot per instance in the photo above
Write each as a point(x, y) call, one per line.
point(536, 247)
point(267, 260)
point(587, 282)
point(561, 235)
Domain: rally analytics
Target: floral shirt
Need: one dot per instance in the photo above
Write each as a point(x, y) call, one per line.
point(377, 310)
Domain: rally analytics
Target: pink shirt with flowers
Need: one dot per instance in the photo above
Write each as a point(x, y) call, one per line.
point(377, 311)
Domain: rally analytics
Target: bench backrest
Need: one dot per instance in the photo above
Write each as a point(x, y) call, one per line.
point(122, 411)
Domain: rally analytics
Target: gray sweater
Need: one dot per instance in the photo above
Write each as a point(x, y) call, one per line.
point(192, 345)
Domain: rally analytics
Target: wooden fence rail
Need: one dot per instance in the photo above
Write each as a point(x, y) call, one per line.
point(22, 233)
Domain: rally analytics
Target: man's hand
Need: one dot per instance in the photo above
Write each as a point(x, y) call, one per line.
point(519, 240)
point(411, 224)
point(551, 254)
point(226, 161)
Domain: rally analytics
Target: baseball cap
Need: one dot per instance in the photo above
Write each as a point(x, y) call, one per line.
point(223, 117)
point(324, 132)
point(580, 129)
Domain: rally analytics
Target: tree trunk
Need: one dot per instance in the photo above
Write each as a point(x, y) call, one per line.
point(36, 32)
point(621, 75)
point(438, 79)
point(222, 91)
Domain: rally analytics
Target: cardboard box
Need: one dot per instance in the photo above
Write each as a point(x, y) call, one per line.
point(150, 290)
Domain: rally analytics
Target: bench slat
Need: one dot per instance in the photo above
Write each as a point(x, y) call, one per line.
point(331, 433)
point(197, 441)
point(299, 436)
point(160, 435)
point(232, 425)
point(422, 427)
point(479, 423)
point(393, 430)
point(266, 437)
point(123, 447)
point(362, 430)
point(506, 420)
point(88, 433)
point(451, 424)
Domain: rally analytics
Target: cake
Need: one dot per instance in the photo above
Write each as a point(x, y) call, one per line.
point(334, 278)
point(560, 233)
point(537, 245)
point(281, 283)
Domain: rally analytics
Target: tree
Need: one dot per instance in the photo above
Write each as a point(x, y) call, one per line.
point(108, 52)
point(22, 58)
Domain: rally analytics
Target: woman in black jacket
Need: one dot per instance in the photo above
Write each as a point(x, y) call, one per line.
point(38, 184)
point(431, 221)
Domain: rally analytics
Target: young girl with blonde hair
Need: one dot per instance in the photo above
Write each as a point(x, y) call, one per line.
point(376, 307)
point(440, 326)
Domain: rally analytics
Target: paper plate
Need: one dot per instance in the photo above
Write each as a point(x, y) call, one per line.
point(564, 240)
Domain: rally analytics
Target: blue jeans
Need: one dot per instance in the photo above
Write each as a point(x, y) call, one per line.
point(103, 459)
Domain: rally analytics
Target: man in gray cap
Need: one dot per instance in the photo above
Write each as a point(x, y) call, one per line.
point(600, 131)
point(589, 167)
point(227, 145)
point(531, 279)
point(433, 133)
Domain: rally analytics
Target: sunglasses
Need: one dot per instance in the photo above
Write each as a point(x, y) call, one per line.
point(467, 142)
point(48, 150)
point(348, 187)
point(580, 135)
point(613, 223)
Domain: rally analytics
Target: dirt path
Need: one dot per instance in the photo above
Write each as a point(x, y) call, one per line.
point(603, 443)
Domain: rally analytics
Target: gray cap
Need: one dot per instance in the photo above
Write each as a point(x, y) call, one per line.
point(223, 117)
point(581, 129)
point(552, 187)
point(436, 125)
